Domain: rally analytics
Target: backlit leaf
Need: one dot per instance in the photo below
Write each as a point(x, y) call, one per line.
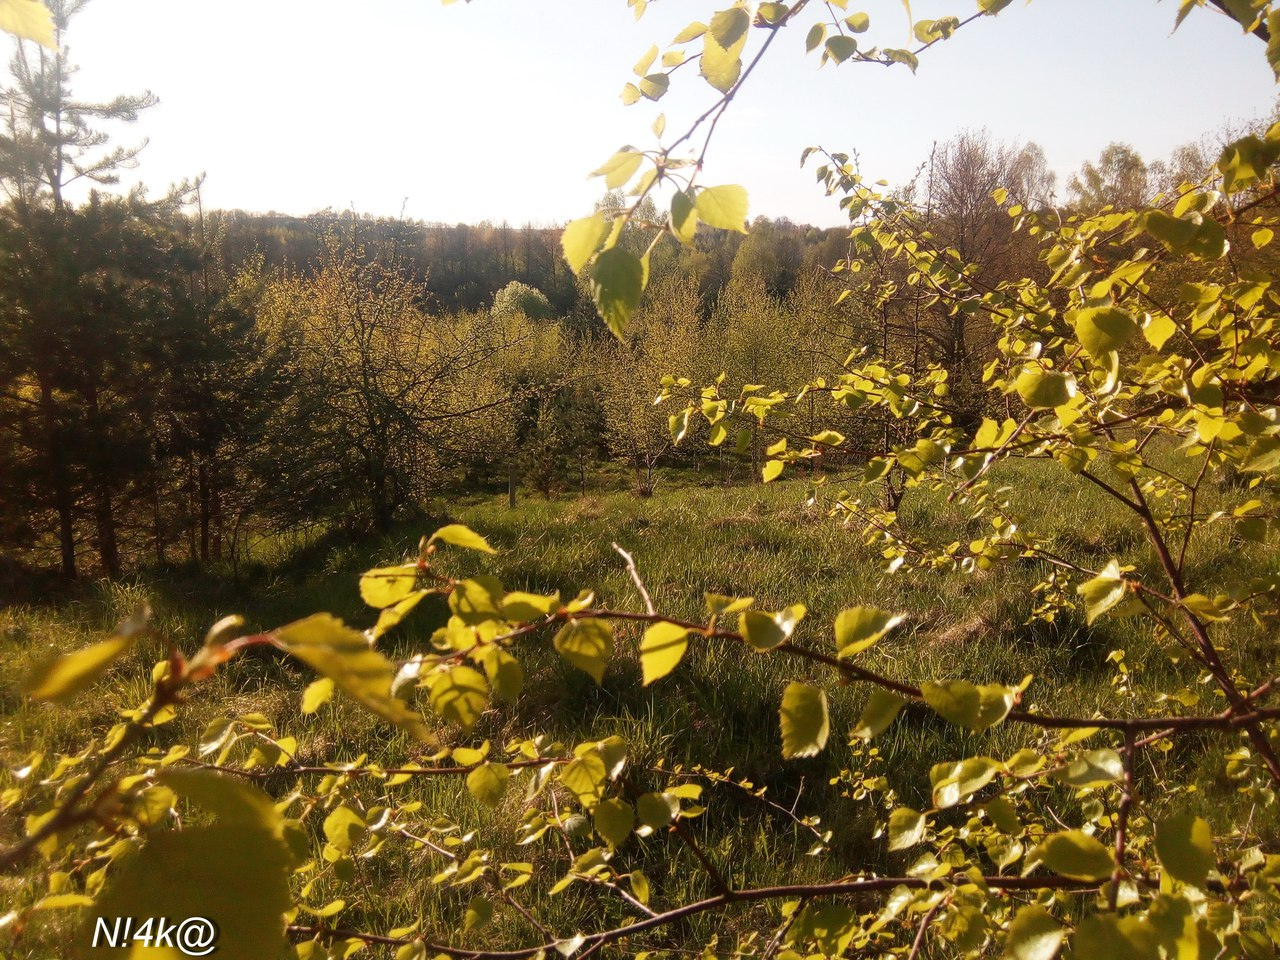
point(805, 722)
point(723, 207)
point(59, 678)
point(488, 783)
point(1185, 848)
point(1034, 935)
point(661, 649)
point(582, 238)
point(881, 708)
point(617, 283)
point(1075, 854)
point(970, 705)
point(335, 650)
point(858, 628)
point(461, 536)
point(587, 644)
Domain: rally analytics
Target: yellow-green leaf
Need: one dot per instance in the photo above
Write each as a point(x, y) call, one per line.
point(661, 649)
point(1033, 935)
point(764, 631)
point(317, 694)
point(617, 283)
point(28, 19)
point(462, 536)
point(858, 628)
point(1185, 848)
point(906, 828)
point(58, 678)
point(344, 655)
point(724, 207)
point(1101, 330)
point(614, 820)
point(582, 238)
point(967, 704)
point(1075, 854)
point(488, 783)
point(619, 168)
point(587, 644)
point(805, 721)
point(881, 708)
point(459, 694)
point(1041, 389)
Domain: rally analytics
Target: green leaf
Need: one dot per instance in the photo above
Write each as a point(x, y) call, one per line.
point(525, 607)
point(772, 470)
point(805, 722)
point(619, 168)
point(58, 678)
point(28, 19)
point(459, 694)
point(234, 871)
point(881, 708)
point(1158, 329)
point(614, 820)
point(728, 27)
point(479, 913)
point(858, 22)
point(385, 586)
point(655, 85)
point(902, 56)
point(957, 781)
point(335, 650)
point(488, 783)
point(1094, 768)
point(721, 64)
point(764, 631)
point(661, 650)
point(723, 207)
point(587, 644)
point(1041, 389)
point(858, 628)
point(692, 32)
point(1033, 935)
point(817, 33)
point(1101, 330)
point(906, 828)
point(1174, 232)
point(992, 7)
point(617, 283)
point(656, 810)
point(684, 217)
point(1185, 848)
point(317, 694)
point(477, 600)
point(390, 616)
point(582, 238)
point(585, 776)
point(639, 885)
point(1103, 593)
point(460, 536)
point(841, 47)
point(1075, 854)
point(969, 705)
point(343, 827)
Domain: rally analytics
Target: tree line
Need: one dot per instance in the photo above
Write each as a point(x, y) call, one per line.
point(175, 382)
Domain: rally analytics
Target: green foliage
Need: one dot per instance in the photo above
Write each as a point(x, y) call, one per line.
point(1039, 829)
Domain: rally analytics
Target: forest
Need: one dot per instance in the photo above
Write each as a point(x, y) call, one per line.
point(665, 582)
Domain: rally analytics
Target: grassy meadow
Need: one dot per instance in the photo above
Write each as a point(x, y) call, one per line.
point(718, 710)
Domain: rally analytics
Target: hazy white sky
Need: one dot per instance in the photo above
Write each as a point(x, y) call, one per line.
point(499, 109)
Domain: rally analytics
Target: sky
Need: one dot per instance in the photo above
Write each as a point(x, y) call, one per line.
point(500, 109)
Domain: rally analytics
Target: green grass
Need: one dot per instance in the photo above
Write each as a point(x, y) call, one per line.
point(719, 708)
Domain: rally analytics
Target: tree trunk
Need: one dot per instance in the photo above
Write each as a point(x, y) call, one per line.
point(60, 479)
point(511, 484)
point(105, 521)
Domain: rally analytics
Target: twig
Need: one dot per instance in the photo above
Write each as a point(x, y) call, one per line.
point(635, 578)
